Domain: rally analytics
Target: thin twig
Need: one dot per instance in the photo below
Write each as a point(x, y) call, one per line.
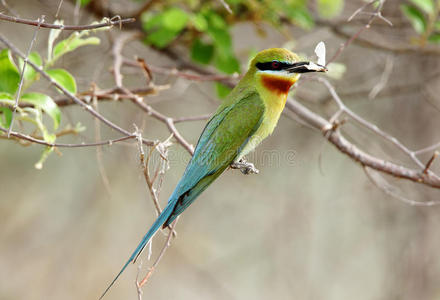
point(106, 23)
point(357, 11)
point(392, 190)
point(8, 8)
point(427, 149)
point(365, 159)
point(116, 52)
point(28, 138)
point(118, 44)
point(76, 11)
point(430, 161)
point(376, 14)
point(112, 94)
point(20, 85)
point(58, 9)
point(70, 95)
point(383, 79)
point(191, 118)
point(182, 74)
point(226, 6)
point(368, 125)
point(99, 160)
point(162, 252)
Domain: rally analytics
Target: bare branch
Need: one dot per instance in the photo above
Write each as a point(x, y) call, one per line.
point(382, 184)
point(182, 74)
point(226, 6)
point(369, 43)
point(365, 159)
point(368, 125)
point(107, 23)
point(8, 8)
point(28, 138)
point(430, 161)
point(118, 44)
point(191, 118)
point(383, 79)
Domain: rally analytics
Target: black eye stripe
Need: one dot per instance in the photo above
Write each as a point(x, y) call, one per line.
point(270, 65)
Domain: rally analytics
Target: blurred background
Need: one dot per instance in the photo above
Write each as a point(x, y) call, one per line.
point(311, 225)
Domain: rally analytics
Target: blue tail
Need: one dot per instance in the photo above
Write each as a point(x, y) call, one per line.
point(166, 213)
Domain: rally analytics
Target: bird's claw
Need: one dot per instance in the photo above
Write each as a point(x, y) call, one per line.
point(245, 167)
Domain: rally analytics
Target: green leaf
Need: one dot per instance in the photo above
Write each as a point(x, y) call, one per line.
point(161, 37)
point(200, 22)
point(165, 27)
point(46, 103)
point(73, 42)
point(5, 117)
point(9, 75)
point(216, 20)
point(150, 21)
point(175, 19)
point(6, 112)
point(201, 52)
point(330, 8)
point(228, 64)
point(426, 5)
point(222, 90)
point(416, 18)
point(300, 17)
point(63, 78)
point(29, 73)
point(7, 98)
point(434, 38)
point(222, 39)
point(437, 25)
point(84, 2)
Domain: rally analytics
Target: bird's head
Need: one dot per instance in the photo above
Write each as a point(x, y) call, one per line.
point(277, 69)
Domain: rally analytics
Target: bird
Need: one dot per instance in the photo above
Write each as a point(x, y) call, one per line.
point(248, 115)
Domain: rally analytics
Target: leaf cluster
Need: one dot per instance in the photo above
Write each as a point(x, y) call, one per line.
point(424, 18)
point(34, 105)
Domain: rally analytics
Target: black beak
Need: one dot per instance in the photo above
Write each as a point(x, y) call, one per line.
point(306, 67)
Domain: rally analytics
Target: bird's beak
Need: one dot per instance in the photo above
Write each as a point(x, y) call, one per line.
point(306, 67)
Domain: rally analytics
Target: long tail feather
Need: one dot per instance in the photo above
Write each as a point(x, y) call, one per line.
point(156, 225)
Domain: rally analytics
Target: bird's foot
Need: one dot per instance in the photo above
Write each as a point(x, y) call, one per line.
point(245, 167)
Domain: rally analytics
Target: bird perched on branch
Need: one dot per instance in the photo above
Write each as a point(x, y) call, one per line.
point(247, 116)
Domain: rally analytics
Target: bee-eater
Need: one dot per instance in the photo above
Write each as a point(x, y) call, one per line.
point(247, 116)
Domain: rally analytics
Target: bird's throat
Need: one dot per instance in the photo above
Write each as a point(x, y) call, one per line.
point(277, 84)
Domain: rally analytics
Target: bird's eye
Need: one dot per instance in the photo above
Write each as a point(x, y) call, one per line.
point(275, 65)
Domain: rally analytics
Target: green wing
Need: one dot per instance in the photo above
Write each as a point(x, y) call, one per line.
point(225, 134)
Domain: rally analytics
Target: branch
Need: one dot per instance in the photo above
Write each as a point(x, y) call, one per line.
point(376, 14)
point(31, 139)
point(367, 43)
point(116, 52)
point(71, 96)
point(337, 139)
point(107, 23)
point(20, 85)
point(207, 76)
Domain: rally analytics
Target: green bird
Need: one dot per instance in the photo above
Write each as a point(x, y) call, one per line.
point(247, 116)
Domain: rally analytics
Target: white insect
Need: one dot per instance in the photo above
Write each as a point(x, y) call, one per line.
point(320, 52)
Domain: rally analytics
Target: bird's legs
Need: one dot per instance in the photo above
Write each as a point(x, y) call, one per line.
point(245, 167)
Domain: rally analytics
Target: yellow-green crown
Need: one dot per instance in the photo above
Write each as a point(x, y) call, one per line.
point(280, 54)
